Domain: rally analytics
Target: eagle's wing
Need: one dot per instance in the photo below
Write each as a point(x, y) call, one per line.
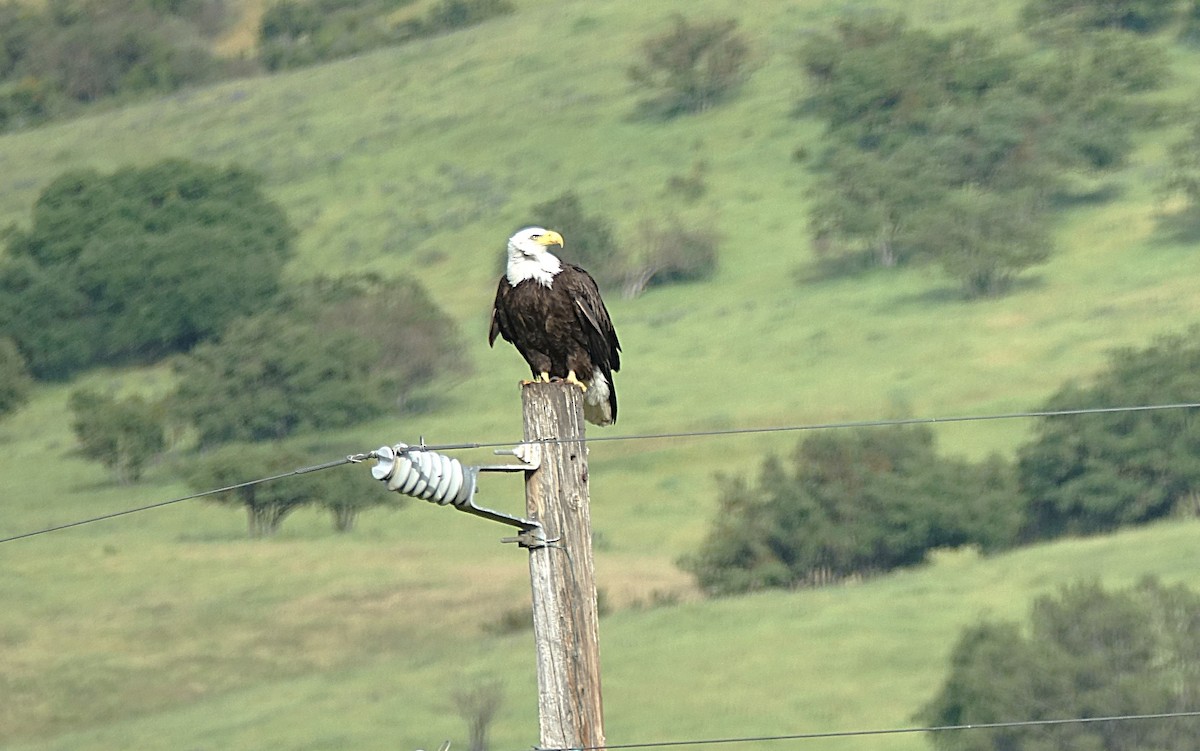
point(499, 326)
point(602, 337)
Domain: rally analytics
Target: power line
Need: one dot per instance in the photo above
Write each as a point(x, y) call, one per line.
point(884, 731)
point(828, 426)
point(643, 437)
point(300, 471)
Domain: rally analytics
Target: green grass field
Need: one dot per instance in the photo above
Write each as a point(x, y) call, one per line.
point(168, 630)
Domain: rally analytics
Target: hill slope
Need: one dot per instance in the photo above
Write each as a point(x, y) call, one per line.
point(167, 628)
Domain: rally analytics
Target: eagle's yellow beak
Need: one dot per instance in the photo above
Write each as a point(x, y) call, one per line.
point(550, 237)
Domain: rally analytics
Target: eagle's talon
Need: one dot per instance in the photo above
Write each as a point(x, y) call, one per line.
point(571, 378)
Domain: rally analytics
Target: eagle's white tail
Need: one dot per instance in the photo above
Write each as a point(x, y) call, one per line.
point(597, 409)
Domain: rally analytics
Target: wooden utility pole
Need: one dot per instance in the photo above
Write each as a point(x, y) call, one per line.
point(565, 623)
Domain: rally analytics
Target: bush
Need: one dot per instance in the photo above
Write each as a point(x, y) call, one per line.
point(1094, 473)
point(269, 377)
point(138, 264)
point(672, 253)
point(1087, 653)
point(267, 504)
point(1142, 16)
point(122, 434)
point(294, 33)
point(852, 504)
point(15, 382)
point(692, 67)
point(338, 352)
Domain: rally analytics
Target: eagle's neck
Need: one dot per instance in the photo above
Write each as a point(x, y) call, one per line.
point(542, 269)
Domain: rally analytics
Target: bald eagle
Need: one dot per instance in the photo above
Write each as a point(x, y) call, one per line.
point(552, 313)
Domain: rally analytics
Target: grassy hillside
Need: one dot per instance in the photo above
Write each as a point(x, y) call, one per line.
point(167, 630)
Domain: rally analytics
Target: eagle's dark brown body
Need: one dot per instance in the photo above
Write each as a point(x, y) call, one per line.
point(562, 329)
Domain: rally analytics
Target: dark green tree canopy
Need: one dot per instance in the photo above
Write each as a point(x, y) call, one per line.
point(267, 504)
point(1094, 473)
point(336, 352)
point(1087, 652)
point(123, 434)
point(15, 382)
point(852, 503)
point(139, 263)
point(693, 66)
point(943, 146)
point(1142, 16)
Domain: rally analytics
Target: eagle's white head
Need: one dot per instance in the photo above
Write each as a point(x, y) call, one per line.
point(529, 256)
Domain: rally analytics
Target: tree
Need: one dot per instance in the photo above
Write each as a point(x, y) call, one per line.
point(1088, 652)
point(1183, 172)
point(122, 434)
point(477, 705)
point(270, 376)
point(293, 33)
point(672, 252)
point(983, 238)
point(267, 504)
point(1141, 16)
point(335, 353)
point(1094, 473)
point(692, 67)
point(862, 199)
point(15, 382)
point(851, 504)
point(946, 147)
point(139, 263)
point(418, 343)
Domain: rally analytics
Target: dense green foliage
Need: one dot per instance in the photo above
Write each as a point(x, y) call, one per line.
point(692, 67)
point(78, 51)
point(1088, 653)
point(333, 354)
point(15, 382)
point(139, 263)
point(294, 33)
point(1142, 16)
point(122, 434)
point(267, 504)
point(945, 146)
point(853, 503)
point(65, 53)
point(1095, 473)
point(1183, 174)
point(270, 376)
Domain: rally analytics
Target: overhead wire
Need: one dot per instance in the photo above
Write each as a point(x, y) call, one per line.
point(836, 425)
point(191, 496)
point(880, 731)
point(803, 427)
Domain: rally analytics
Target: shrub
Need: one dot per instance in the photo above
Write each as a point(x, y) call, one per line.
point(1087, 652)
point(672, 252)
point(122, 434)
point(15, 382)
point(1094, 473)
point(692, 67)
point(854, 503)
point(336, 353)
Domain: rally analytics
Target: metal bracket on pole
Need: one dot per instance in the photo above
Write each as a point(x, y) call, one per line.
point(443, 480)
